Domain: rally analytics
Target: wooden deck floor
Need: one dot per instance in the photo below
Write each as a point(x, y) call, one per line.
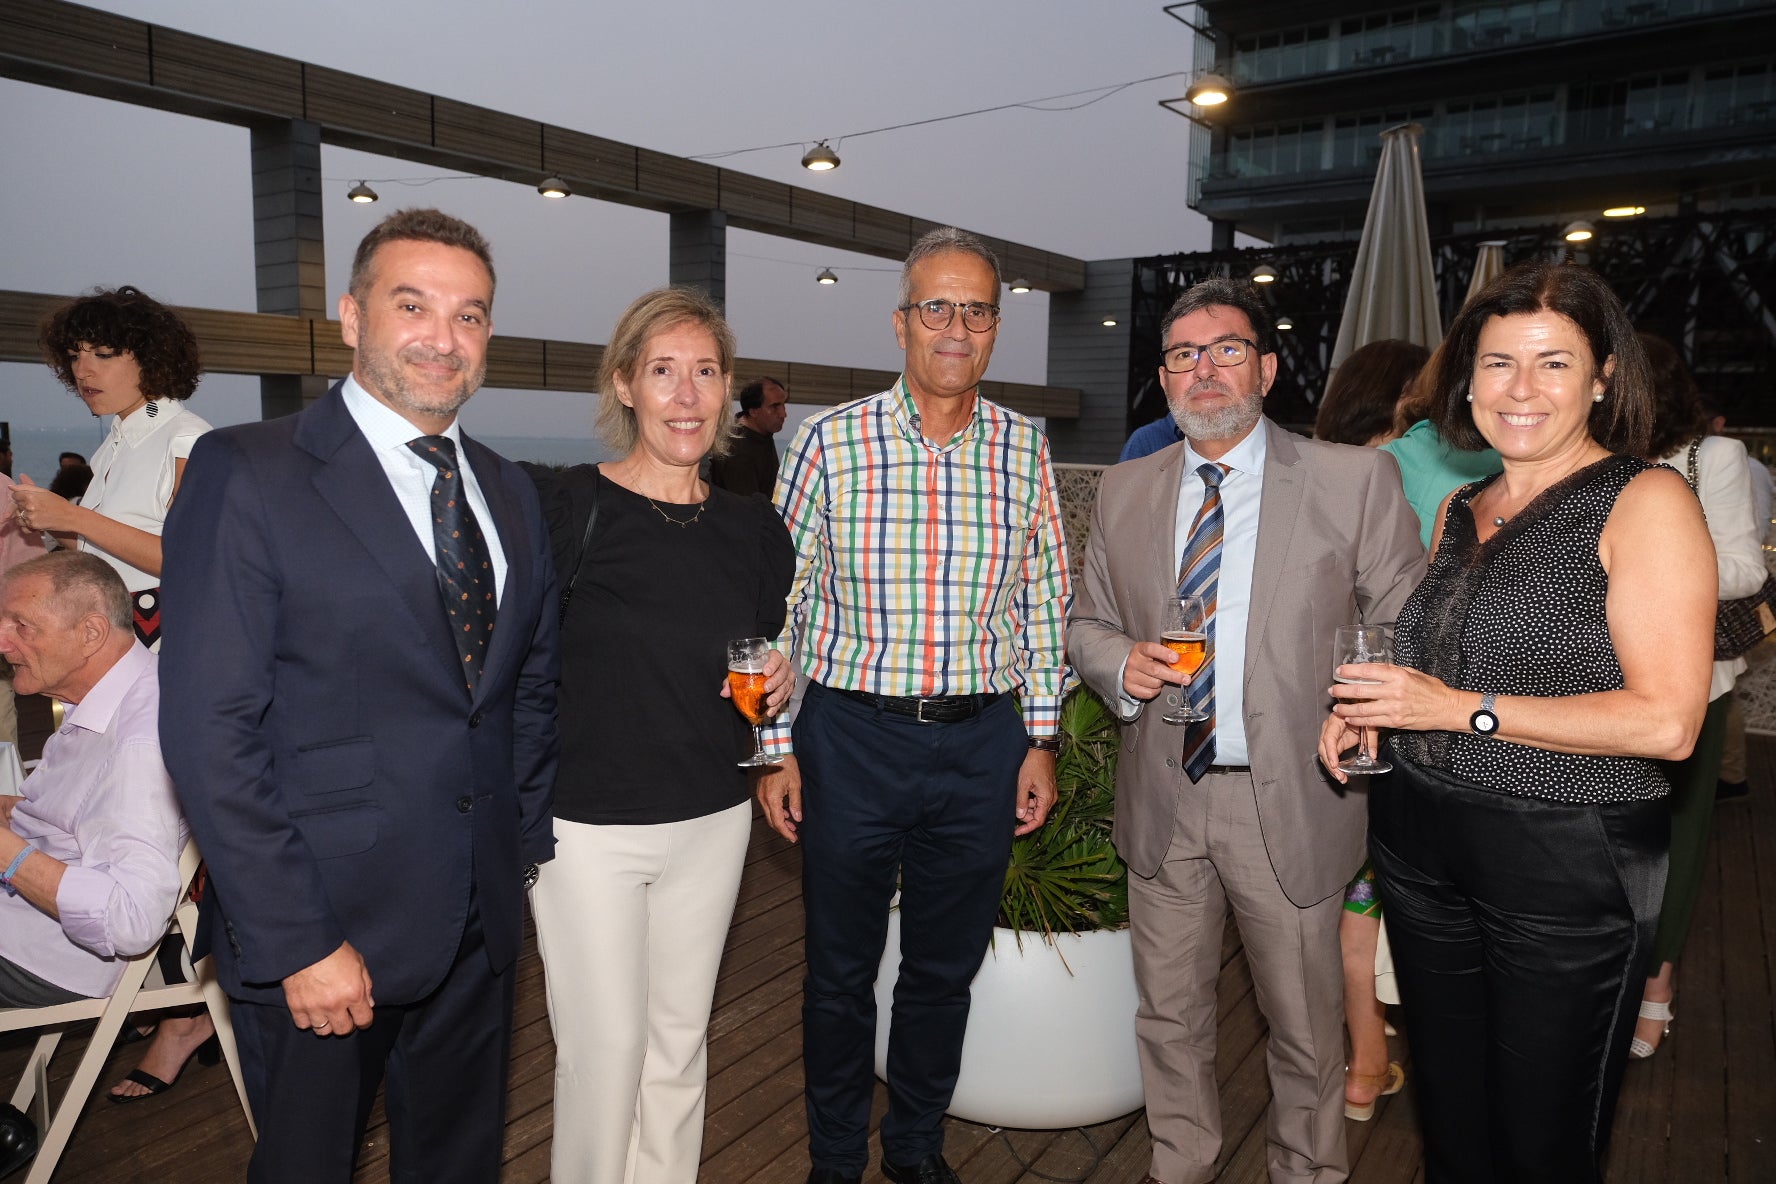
point(1703, 1110)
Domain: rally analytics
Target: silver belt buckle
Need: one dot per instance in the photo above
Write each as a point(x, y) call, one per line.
point(919, 713)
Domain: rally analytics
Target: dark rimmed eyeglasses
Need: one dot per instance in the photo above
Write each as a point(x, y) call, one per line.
point(1229, 351)
point(937, 314)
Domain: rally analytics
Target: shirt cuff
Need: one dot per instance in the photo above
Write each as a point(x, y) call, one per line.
point(1042, 715)
point(1128, 710)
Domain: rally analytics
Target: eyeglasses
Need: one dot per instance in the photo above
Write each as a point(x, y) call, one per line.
point(937, 314)
point(1229, 351)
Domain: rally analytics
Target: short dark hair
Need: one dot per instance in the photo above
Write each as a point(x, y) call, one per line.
point(752, 395)
point(1678, 412)
point(1359, 402)
point(1239, 295)
point(1620, 422)
point(941, 241)
point(418, 226)
point(81, 583)
point(129, 320)
point(73, 456)
point(71, 481)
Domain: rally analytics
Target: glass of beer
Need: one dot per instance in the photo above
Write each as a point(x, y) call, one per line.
point(1185, 632)
point(746, 684)
point(1361, 645)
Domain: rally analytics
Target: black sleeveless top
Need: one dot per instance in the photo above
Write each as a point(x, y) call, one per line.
point(1523, 614)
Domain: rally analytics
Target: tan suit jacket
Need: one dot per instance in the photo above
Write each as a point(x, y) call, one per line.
point(1337, 544)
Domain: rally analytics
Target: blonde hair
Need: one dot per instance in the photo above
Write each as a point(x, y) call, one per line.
point(652, 313)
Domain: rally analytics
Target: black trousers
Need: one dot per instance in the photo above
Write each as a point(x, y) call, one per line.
point(885, 798)
point(445, 1059)
point(1522, 931)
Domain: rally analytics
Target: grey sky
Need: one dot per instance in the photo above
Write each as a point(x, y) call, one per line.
point(95, 192)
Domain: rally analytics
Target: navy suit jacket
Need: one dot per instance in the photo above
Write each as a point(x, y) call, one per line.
point(342, 783)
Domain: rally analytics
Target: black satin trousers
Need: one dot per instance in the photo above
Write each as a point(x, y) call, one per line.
point(1522, 931)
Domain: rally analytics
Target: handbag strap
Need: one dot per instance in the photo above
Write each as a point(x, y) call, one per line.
point(567, 589)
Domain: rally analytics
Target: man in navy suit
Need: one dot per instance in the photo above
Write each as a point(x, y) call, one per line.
point(358, 681)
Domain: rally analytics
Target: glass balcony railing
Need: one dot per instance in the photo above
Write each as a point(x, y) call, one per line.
point(1723, 99)
point(1394, 36)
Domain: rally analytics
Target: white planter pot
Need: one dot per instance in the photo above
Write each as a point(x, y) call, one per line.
point(1046, 1049)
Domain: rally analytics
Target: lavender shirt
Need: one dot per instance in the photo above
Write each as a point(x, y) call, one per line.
point(102, 803)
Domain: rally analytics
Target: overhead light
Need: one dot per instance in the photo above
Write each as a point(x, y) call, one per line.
point(1284, 324)
point(1020, 286)
point(1109, 322)
point(1624, 211)
point(554, 186)
point(361, 193)
point(820, 159)
point(826, 276)
point(1264, 273)
point(1578, 231)
point(1211, 90)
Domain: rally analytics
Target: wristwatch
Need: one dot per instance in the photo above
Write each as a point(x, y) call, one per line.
point(1485, 722)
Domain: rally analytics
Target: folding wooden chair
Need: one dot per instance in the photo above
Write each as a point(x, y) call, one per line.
point(134, 993)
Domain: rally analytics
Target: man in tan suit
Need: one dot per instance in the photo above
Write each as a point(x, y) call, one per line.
point(1286, 539)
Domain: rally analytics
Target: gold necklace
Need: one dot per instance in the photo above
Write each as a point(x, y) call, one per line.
point(679, 522)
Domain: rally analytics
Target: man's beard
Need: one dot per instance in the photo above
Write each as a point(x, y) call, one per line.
point(1223, 422)
point(388, 380)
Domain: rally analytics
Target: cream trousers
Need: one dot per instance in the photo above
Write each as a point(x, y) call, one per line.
point(630, 923)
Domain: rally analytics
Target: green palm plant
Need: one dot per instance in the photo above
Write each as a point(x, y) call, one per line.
point(1065, 876)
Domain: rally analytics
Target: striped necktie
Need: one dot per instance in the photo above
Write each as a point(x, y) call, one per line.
point(465, 568)
point(1199, 574)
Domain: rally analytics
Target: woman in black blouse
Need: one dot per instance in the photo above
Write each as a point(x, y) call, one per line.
point(1558, 648)
point(652, 814)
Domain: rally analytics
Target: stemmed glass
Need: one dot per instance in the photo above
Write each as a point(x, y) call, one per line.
point(1360, 645)
point(746, 685)
point(1184, 631)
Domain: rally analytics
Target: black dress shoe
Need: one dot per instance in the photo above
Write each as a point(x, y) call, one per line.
point(831, 1176)
point(930, 1170)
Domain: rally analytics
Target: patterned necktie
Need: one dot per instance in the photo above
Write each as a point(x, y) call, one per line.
point(1199, 574)
point(465, 573)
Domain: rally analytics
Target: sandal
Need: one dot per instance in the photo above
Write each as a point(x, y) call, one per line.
point(208, 1053)
point(1639, 1049)
point(1391, 1082)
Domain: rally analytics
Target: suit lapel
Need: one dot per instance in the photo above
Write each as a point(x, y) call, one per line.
point(515, 541)
point(1162, 526)
point(353, 483)
point(1278, 507)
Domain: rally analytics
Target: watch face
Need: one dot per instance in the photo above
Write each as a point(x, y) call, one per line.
point(1484, 722)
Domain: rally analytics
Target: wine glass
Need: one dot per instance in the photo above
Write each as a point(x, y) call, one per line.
point(1359, 645)
point(1184, 631)
point(746, 685)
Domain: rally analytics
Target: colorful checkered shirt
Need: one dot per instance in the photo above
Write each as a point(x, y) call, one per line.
point(925, 569)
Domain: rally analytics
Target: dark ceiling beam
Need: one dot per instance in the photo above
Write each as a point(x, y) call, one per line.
point(70, 47)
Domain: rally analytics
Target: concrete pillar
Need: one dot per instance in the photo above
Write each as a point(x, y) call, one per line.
point(1221, 234)
point(1083, 353)
point(289, 253)
point(699, 252)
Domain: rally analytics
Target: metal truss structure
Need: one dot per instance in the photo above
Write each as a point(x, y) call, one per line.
point(1704, 281)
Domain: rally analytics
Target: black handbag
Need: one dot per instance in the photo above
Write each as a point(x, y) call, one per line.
point(1741, 623)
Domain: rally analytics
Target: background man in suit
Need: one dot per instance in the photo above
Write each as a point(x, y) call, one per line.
point(1287, 538)
point(750, 464)
point(360, 719)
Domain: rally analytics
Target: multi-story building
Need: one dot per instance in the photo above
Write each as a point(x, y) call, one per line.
point(1533, 110)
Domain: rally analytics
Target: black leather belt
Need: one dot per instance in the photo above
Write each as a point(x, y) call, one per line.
point(948, 709)
point(1246, 769)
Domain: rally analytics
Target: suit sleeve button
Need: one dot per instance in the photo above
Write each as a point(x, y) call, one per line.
point(464, 804)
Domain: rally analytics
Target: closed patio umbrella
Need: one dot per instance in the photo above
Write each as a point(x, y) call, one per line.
point(1488, 266)
point(1393, 288)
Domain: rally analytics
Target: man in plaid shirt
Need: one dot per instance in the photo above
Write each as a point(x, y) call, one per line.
point(930, 593)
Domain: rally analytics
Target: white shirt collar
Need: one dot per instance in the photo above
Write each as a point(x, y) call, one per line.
point(385, 428)
point(1247, 456)
point(98, 707)
point(138, 425)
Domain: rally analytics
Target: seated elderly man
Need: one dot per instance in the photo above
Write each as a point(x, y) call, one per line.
point(89, 855)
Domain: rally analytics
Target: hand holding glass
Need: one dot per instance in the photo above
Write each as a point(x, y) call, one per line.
point(746, 685)
point(1358, 645)
point(1184, 631)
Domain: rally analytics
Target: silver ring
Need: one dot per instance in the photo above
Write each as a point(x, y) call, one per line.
point(323, 1024)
